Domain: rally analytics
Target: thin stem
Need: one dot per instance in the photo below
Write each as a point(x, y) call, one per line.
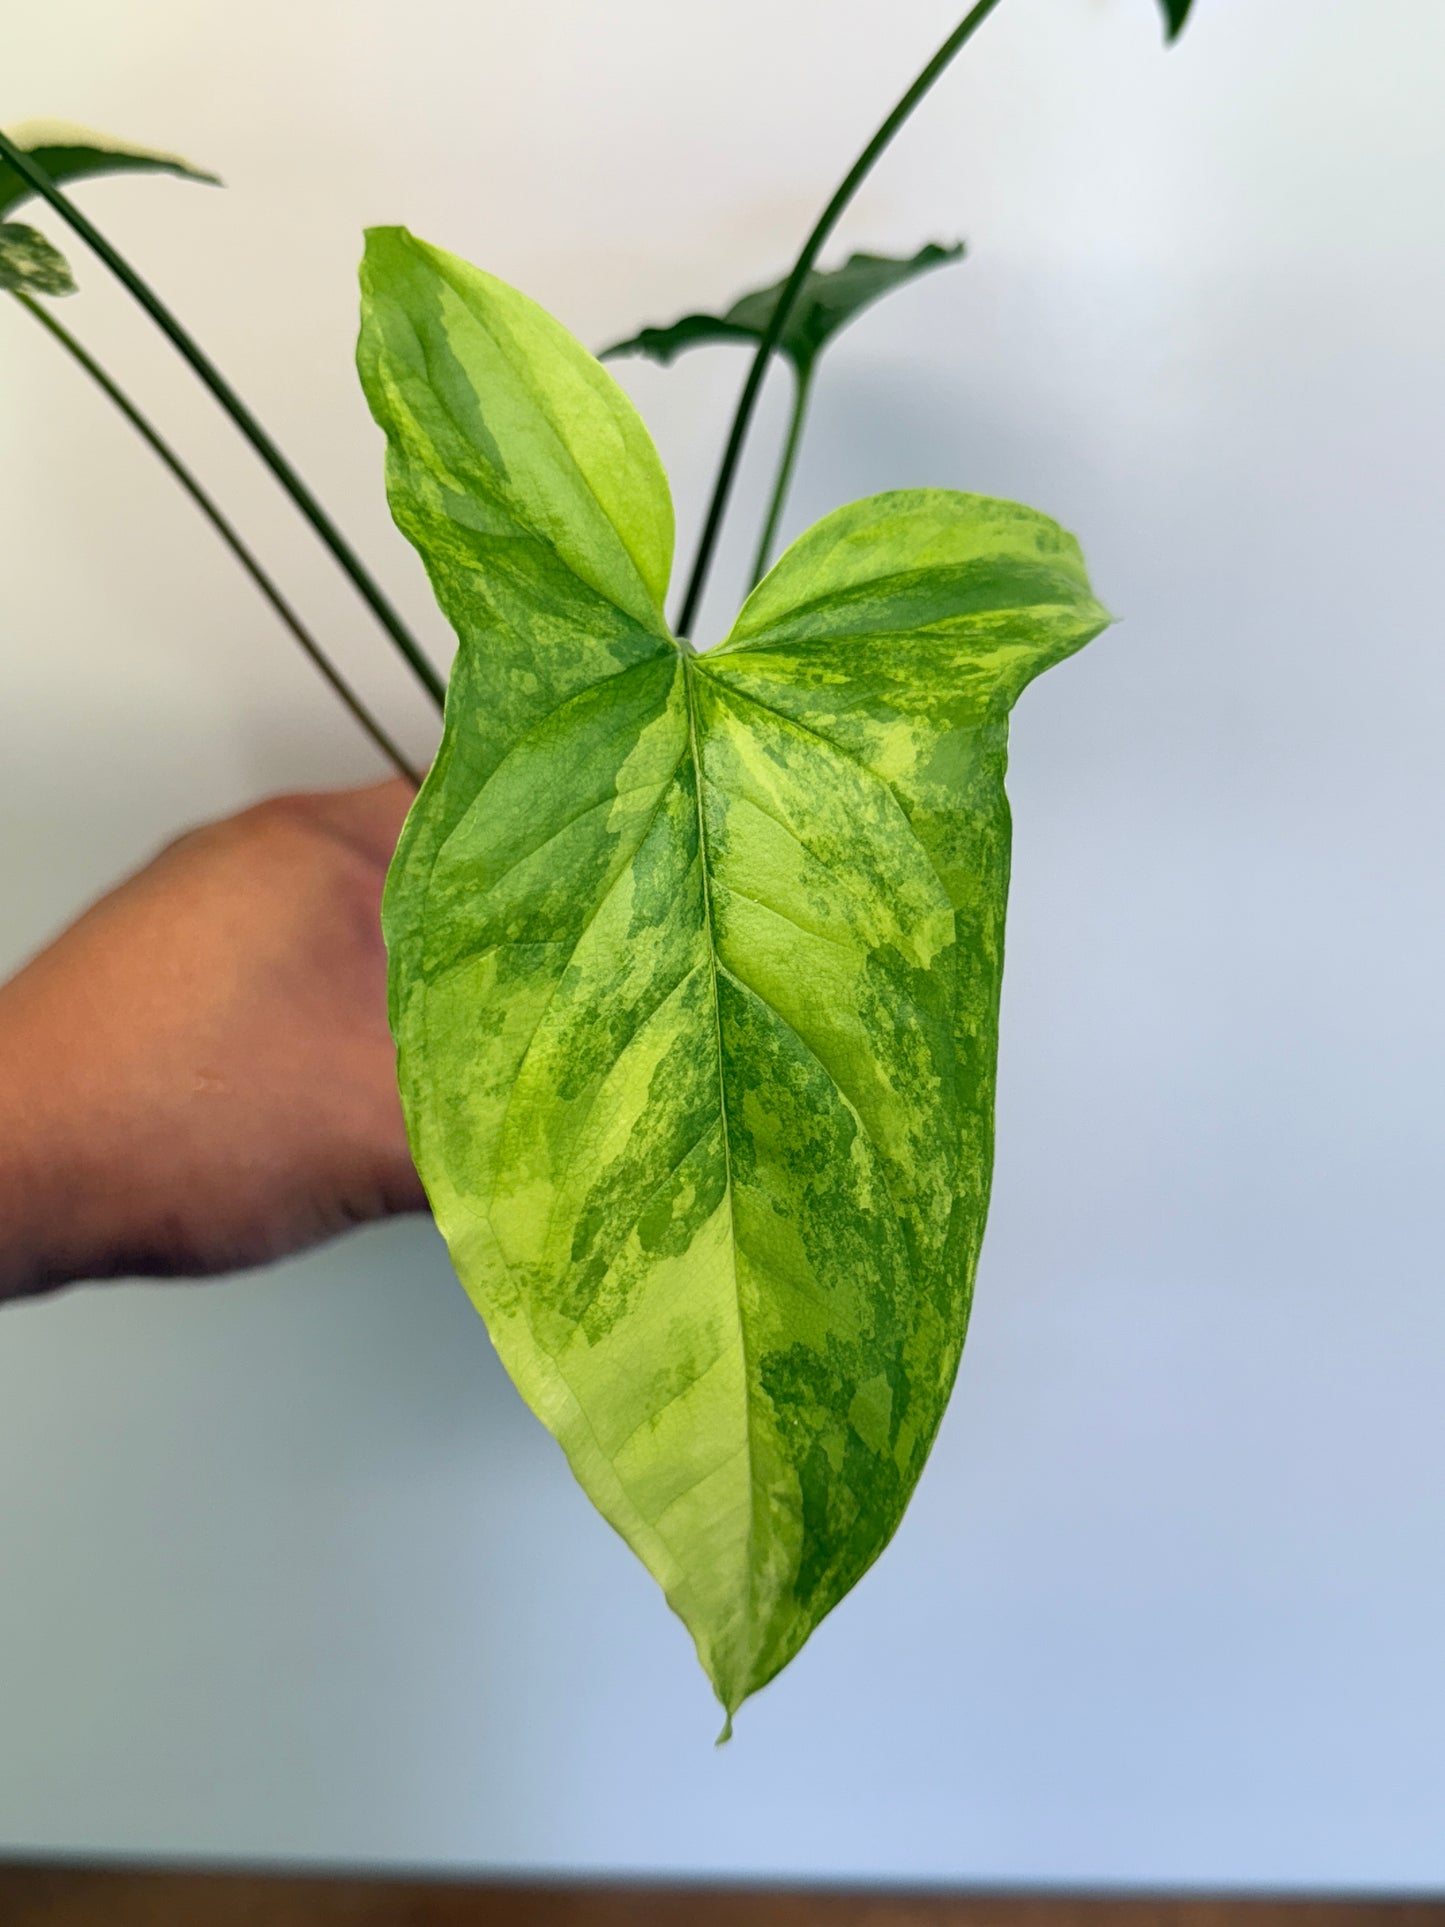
point(225, 529)
point(802, 268)
point(801, 388)
point(369, 591)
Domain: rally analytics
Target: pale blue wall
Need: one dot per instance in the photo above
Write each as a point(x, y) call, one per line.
point(285, 1568)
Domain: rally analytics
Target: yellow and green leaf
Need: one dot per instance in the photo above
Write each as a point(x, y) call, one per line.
point(695, 958)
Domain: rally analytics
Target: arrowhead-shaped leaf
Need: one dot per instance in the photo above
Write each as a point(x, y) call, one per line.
point(29, 264)
point(695, 959)
point(70, 153)
point(1176, 12)
point(827, 301)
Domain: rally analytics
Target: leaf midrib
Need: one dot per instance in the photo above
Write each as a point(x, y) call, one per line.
point(690, 666)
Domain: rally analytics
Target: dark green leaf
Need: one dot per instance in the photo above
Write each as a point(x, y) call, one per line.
point(690, 331)
point(827, 301)
point(71, 153)
point(695, 960)
point(1176, 12)
point(29, 264)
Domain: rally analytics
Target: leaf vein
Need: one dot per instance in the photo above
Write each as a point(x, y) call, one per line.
point(728, 689)
point(622, 870)
point(828, 1072)
point(638, 1028)
point(784, 916)
point(699, 779)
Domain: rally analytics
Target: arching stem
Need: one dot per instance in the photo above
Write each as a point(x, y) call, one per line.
point(370, 592)
point(802, 267)
point(802, 385)
point(225, 529)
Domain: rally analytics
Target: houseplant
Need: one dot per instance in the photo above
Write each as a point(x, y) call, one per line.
point(696, 958)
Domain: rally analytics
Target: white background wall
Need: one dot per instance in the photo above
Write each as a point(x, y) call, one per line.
point(285, 1568)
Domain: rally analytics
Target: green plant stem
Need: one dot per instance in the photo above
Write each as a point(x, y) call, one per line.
point(191, 351)
point(802, 268)
point(801, 388)
point(225, 529)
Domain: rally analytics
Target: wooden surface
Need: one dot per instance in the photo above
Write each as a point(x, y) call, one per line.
point(50, 1896)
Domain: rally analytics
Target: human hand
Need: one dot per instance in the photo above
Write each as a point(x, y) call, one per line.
point(197, 1075)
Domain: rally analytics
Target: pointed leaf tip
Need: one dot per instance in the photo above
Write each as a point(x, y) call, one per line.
point(1176, 13)
point(465, 364)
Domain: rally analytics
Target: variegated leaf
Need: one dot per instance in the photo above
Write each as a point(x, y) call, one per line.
point(695, 959)
point(29, 264)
